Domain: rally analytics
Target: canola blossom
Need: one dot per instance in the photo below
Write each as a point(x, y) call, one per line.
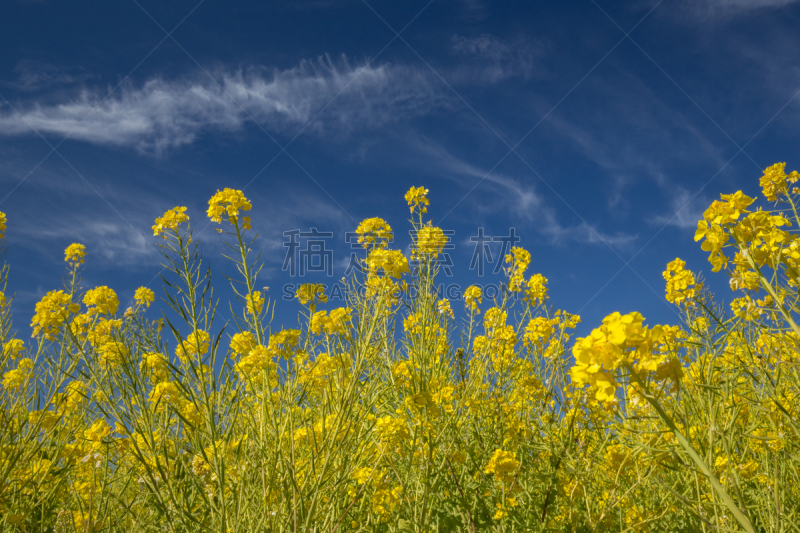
point(399, 410)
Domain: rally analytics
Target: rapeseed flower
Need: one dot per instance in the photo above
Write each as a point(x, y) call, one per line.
point(144, 296)
point(417, 199)
point(171, 220)
point(75, 253)
point(228, 202)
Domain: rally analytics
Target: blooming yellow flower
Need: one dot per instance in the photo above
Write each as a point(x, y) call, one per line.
point(430, 240)
point(311, 292)
point(96, 433)
point(171, 220)
point(518, 260)
point(51, 312)
point(392, 431)
point(2, 225)
point(374, 231)
point(443, 308)
point(503, 465)
point(255, 303)
point(156, 364)
point(15, 379)
point(195, 346)
point(228, 202)
point(681, 284)
point(13, 348)
point(257, 363)
point(416, 198)
point(144, 296)
point(75, 253)
point(472, 297)
point(392, 262)
point(536, 289)
point(101, 300)
point(335, 323)
point(773, 182)
point(242, 343)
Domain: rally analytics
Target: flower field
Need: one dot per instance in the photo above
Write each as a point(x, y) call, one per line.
point(389, 414)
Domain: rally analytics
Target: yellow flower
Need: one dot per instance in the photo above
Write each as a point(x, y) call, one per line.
point(335, 323)
point(472, 297)
point(392, 431)
point(443, 307)
point(745, 308)
point(195, 346)
point(15, 379)
point(503, 465)
point(773, 182)
point(13, 348)
point(519, 259)
point(536, 289)
point(416, 198)
point(171, 220)
point(113, 353)
point(156, 364)
point(165, 393)
point(681, 284)
point(242, 343)
point(51, 312)
point(2, 225)
point(374, 231)
point(101, 300)
point(96, 433)
point(228, 202)
point(311, 292)
point(430, 240)
point(287, 340)
point(539, 330)
point(621, 339)
point(144, 296)
point(256, 363)
point(255, 303)
point(75, 253)
point(392, 262)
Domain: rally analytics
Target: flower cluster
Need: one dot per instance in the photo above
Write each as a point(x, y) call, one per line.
point(75, 253)
point(417, 199)
point(622, 341)
point(101, 300)
point(374, 232)
point(430, 241)
point(171, 220)
point(229, 202)
point(503, 465)
point(682, 287)
point(473, 296)
point(51, 312)
point(334, 323)
point(144, 296)
point(311, 293)
point(193, 347)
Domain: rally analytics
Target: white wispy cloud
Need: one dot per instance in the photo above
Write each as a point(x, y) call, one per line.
point(491, 59)
point(34, 75)
point(685, 210)
point(626, 135)
point(729, 6)
point(110, 241)
point(503, 192)
point(166, 113)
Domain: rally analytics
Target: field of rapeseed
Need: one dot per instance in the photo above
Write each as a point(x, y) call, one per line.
point(391, 415)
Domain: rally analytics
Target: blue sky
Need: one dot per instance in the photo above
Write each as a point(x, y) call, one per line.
point(598, 130)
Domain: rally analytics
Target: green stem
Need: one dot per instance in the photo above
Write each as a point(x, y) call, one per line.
point(684, 442)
